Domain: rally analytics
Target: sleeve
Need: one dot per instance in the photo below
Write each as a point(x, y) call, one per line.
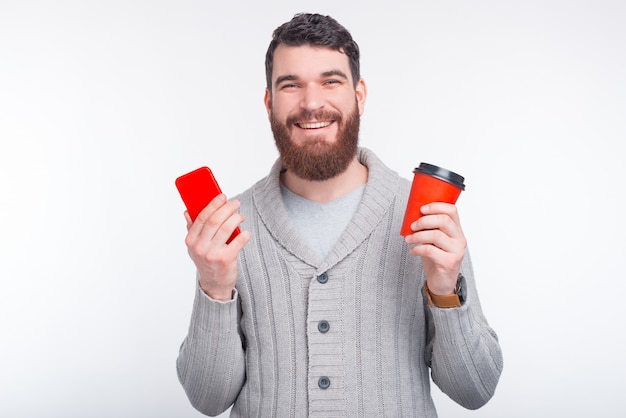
point(462, 350)
point(211, 361)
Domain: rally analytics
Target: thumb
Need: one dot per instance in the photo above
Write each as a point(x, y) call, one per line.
point(188, 219)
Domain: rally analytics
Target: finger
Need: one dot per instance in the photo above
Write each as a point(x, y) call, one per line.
point(441, 208)
point(219, 226)
point(436, 238)
point(440, 222)
point(188, 220)
point(206, 213)
point(428, 251)
point(439, 258)
point(226, 229)
point(220, 254)
point(239, 242)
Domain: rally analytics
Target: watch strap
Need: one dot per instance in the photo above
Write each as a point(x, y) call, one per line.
point(442, 301)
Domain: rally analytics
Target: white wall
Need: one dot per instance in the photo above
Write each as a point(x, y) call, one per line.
point(103, 104)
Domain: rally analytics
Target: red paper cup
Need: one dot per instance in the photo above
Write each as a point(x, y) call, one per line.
point(430, 184)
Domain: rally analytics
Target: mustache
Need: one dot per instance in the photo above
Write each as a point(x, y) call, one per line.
point(307, 116)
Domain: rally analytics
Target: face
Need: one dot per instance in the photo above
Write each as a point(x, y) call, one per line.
point(314, 110)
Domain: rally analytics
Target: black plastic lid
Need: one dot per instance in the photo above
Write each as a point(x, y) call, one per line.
point(442, 174)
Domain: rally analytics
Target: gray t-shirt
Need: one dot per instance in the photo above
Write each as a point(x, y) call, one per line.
point(321, 224)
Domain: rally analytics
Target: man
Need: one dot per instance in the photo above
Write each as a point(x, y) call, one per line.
point(318, 307)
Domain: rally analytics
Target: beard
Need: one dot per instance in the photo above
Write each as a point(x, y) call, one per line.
point(316, 159)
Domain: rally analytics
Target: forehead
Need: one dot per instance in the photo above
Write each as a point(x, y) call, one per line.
point(308, 61)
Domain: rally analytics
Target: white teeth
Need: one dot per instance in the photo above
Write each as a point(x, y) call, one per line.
point(315, 125)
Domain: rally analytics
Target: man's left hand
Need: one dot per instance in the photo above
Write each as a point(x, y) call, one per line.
point(440, 242)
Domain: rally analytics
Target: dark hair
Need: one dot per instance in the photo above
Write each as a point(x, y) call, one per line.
point(315, 30)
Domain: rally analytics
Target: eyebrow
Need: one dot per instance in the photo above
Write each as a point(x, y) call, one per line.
point(293, 77)
point(284, 78)
point(336, 73)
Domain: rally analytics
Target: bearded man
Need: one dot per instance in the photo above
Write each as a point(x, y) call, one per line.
point(319, 307)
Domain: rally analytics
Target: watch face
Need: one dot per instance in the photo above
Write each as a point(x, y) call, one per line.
point(460, 289)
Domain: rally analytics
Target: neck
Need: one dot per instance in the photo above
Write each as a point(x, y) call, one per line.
point(328, 190)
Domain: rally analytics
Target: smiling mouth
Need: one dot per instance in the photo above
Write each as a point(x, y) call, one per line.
point(313, 125)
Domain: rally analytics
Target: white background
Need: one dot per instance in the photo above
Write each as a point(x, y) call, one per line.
point(103, 104)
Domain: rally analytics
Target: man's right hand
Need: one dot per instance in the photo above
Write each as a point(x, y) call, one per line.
point(206, 239)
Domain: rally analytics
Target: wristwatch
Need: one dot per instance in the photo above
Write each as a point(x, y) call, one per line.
point(454, 300)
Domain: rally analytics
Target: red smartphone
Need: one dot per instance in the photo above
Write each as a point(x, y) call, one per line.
point(197, 188)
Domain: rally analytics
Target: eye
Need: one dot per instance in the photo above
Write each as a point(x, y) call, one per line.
point(289, 86)
point(332, 82)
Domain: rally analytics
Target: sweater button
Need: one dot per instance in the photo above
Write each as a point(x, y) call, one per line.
point(323, 382)
point(322, 278)
point(323, 326)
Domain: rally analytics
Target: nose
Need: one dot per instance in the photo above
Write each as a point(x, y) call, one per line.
point(312, 98)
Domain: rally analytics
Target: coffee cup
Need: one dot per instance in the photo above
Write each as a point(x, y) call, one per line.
point(430, 184)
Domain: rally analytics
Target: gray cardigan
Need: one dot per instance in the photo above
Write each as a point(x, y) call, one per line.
point(347, 336)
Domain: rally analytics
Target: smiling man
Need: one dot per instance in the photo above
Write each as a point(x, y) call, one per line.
point(319, 307)
point(314, 112)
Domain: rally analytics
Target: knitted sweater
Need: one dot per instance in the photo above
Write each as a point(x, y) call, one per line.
point(350, 335)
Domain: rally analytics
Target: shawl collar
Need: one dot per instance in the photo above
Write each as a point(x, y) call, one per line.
point(378, 197)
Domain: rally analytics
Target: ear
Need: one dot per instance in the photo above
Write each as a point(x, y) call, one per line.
point(361, 95)
point(268, 101)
